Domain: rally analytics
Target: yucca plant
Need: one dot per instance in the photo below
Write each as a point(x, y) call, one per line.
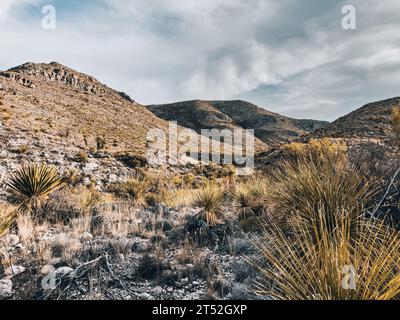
point(327, 264)
point(32, 183)
point(210, 199)
point(135, 190)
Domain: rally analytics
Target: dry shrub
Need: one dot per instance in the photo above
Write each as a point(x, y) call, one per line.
point(395, 122)
point(318, 149)
point(307, 185)
point(179, 198)
point(252, 196)
point(7, 218)
point(210, 199)
point(316, 264)
point(135, 190)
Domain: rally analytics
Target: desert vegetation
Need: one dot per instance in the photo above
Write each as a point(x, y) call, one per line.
point(320, 225)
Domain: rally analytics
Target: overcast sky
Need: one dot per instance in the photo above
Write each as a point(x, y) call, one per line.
point(289, 56)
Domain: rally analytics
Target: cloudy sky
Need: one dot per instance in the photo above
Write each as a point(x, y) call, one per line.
point(289, 56)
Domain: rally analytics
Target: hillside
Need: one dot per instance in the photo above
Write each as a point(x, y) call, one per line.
point(51, 112)
point(271, 128)
point(365, 131)
point(370, 121)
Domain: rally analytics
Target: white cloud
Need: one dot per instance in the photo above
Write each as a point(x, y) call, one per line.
point(284, 55)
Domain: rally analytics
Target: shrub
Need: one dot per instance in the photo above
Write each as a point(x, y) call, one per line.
point(82, 156)
point(305, 187)
point(135, 190)
point(210, 199)
point(395, 121)
point(101, 143)
point(32, 183)
point(244, 201)
point(321, 264)
point(318, 149)
point(7, 218)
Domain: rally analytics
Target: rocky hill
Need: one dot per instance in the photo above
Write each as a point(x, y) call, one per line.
point(370, 121)
point(51, 112)
point(271, 128)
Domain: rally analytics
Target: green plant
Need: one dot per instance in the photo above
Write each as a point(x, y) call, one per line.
point(210, 199)
point(32, 183)
point(326, 264)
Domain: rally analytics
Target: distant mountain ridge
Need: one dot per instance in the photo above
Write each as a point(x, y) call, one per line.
point(271, 128)
point(370, 121)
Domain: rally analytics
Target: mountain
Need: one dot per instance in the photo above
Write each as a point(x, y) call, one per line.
point(366, 131)
point(51, 112)
point(271, 128)
point(371, 121)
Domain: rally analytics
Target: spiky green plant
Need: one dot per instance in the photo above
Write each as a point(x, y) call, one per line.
point(135, 190)
point(210, 199)
point(32, 183)
point(326, 264)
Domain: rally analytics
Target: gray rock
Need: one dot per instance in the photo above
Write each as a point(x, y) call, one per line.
point(87, 236)
point(47, 269)
point(64, 272)
point(6, 290)
point(145, 296)
point(14, 270)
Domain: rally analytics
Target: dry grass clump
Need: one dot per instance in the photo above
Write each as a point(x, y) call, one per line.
point(135, 190)
point(395, 122)
point(178, 198)
point(326, 264)
point(244, 201)
point(306, 186)
point(210, 199)
point(251, 196)
point(318, 149)
point(7, 218)
point(32, 183)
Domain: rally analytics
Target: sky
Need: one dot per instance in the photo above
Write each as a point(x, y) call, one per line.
point(288, 56)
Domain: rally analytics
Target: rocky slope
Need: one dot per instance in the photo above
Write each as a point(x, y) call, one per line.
point(271, 128)
point(366, 132)
point(53, 113)
point(370, 121)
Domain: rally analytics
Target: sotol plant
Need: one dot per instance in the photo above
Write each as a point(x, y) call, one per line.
point(32, 183)
point(326, 264)
point(306, 186)
point(210, 199)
